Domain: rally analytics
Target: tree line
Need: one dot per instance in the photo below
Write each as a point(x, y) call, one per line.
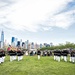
point(60, 46)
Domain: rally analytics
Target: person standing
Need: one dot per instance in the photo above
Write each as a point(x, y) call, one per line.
point(3, 55)
point(72, 56)
point(65, 54)
point(20, 54)
point(38, 53)
point(26, 53)
point(0, 57)
point(11, 55)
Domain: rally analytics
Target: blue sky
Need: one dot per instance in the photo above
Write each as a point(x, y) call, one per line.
point(41, 21)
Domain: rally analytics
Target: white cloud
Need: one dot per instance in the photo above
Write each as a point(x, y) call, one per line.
point(29, 14)
point(63, 20)
point(2, 4)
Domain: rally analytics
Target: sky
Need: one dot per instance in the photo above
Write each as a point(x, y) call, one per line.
point(40, 21)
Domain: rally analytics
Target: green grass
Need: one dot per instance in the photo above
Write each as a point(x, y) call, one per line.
point(30, 65)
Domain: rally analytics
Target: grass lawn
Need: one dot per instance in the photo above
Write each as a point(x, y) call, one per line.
point(30, 65)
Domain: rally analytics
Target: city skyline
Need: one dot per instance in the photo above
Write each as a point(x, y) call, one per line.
point(41, 21)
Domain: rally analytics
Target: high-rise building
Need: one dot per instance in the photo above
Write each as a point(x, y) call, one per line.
point(27, 44)
point(32, 45)
point(21, 43)
point(48, 45)
point(18, 43)
point(40, 45)
point(51, 44)
point(13, 41)
point(0, 44)
point(2, 36)
point(45, 44)
point(2, 39)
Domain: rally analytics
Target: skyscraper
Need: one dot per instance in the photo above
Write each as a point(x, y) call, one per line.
point(26, 44)
point(51, 44)
point(40, 45)
point(13, 41)
point(18, 43)
point(2, 39)
point(32, 45)
point(2, 36)
point(16, 39)
point(21, 43)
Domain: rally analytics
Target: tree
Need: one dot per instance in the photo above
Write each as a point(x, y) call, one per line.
point(60, 46)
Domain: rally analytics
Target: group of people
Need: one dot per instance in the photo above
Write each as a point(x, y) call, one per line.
point(59, 55)
point(43, 53)
point(46, 53)
point(14, 55)
point(2, 56)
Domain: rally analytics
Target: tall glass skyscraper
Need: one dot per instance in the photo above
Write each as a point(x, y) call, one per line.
point(2, 36)
point(2, 39)
point(13, 41)
point(18, 43)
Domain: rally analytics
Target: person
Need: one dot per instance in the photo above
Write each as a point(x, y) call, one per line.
point(65, 53)
point(50, 53)
point(3, 55)
point(55, 55)
point(72, 56)
point(26, 53)
point(14, 55)
point(38, 53)
point(31, 53)
point(0, 57)
point(62, 57)
point(58, 55)
point(9, 48)
point(45, 53)
point(20, 54)
point(11, 55)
